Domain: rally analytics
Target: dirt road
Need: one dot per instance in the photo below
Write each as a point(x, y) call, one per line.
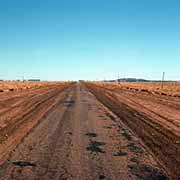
point(80, 139)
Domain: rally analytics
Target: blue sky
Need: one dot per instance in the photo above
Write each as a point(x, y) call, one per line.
point(89, 39)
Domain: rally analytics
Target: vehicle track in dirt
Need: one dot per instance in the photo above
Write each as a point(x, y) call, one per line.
point(80, 139)
point(145, 115)
point(33, 106)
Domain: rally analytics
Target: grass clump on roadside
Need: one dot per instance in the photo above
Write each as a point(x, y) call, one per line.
point(23, 163)
point(127, 134)
point(101, 177)
point(96, 147)
point(111, 117)
point(135, 148)
point(120, 153)
point(91, 134)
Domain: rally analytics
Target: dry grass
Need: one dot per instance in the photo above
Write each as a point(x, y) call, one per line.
point(169, 88)
point(6, 86)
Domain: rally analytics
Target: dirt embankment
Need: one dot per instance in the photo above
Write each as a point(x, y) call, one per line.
point(155, 126)
point(22, 111)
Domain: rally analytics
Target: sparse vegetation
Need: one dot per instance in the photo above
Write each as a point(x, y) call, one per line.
point(96, 146)
point(135, 148)
point(111, 116)
point(146, 172)
point(120, 153)
point(23, 163)
point(127, 134)
point(91, 134)
point(169, 88)
point(11, 86)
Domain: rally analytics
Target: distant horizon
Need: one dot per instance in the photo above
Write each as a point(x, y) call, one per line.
point(158, 80)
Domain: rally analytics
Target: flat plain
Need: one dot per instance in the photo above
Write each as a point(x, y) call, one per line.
point(68, 130)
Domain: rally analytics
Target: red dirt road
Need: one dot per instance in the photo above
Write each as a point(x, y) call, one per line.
point(76, 138)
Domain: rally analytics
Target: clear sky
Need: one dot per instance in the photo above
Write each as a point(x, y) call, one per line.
point(89, 39)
